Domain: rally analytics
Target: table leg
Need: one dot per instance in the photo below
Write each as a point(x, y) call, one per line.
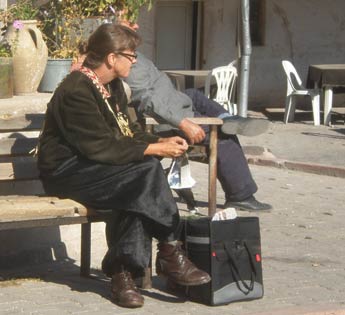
point(212, 181)
point(328, 98)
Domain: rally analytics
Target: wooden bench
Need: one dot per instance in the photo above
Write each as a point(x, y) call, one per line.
point(32, 208)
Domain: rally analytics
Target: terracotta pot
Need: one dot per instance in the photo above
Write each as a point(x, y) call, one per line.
point(29, 56)
point(6, 77)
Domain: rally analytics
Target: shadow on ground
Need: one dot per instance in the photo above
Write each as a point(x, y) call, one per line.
point(66, 273)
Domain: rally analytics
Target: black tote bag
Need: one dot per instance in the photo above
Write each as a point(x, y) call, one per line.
point(230, 251)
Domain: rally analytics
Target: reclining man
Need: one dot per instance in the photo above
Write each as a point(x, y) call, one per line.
point(155, 95)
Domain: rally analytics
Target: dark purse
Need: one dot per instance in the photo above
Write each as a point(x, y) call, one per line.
point(230, 251)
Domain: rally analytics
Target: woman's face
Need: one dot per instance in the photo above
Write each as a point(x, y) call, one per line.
point(123, 63)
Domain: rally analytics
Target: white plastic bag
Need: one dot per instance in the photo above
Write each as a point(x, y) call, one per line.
point(226, 214)
point(179, 175)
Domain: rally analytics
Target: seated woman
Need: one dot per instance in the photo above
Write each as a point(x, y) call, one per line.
point(91, 153)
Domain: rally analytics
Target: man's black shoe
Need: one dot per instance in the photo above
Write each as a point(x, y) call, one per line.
point(250, 127)
point(249, 204)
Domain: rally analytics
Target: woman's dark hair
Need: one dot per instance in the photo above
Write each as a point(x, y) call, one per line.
point(109, 38)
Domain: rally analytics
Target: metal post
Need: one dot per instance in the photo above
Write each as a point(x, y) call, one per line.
point(246, 50)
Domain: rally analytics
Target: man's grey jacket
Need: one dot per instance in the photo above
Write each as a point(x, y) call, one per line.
point(156, 96)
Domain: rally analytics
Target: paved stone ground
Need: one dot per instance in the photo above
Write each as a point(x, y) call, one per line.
point(302, 238)
point(302, 247)
point(301, 141)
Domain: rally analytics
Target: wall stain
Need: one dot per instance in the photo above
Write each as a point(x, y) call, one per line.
point(286, 25)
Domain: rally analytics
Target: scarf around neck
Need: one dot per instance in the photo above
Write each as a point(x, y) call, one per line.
point(121, 118)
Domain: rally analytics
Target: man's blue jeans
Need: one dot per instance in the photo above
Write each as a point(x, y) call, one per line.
point(232, 168)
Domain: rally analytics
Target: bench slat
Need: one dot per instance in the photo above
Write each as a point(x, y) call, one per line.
point(19, 170)
point(41, 222)
point(196, 120)
point(21, 187)
point(23, 123)
point(20, 208)
point(17, 147)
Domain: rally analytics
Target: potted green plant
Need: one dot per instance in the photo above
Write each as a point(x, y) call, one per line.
point(95, 12)
point(64, 27)
point(6, 70)
point(129, 9)
point(107, 8)
point(61, 27)
point(92, 13)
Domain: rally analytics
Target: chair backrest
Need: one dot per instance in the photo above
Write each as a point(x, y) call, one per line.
point(128, 91)
point(225, 78)
point(233, 63)
point(294, 82)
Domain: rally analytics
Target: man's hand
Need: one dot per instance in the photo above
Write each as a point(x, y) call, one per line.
point(193, 132)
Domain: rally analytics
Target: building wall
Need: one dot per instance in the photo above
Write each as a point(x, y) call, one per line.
point(146, 23)
point(305, 32)
point(219, 33)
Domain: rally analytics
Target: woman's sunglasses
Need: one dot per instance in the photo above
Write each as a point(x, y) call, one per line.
point(130, 57)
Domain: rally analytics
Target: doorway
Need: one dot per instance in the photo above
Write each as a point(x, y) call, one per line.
point(177, 34)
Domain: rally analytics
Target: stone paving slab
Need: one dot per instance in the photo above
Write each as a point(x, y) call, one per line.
point(302, 142)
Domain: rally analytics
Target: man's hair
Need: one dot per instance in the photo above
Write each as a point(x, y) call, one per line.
point(109, 38)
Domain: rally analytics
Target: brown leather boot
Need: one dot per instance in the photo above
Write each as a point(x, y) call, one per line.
point(173, 264)
point(124, 292)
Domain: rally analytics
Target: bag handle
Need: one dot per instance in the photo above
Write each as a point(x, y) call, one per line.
point(246, 289)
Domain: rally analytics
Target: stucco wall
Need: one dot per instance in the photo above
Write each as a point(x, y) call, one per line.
point(146, 24)
point(3, 4)
point(305, 32)
point(219, 33)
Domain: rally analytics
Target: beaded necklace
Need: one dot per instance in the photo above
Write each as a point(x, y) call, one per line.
point(121, 118)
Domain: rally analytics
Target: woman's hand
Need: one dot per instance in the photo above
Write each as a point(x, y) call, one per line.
point(167, 147)
point(175, 139)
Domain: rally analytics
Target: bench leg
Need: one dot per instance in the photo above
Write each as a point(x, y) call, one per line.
point(85, 250)
point(212, 193)
point(145, 282)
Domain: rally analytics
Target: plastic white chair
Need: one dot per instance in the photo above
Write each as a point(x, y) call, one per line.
point(295, 88)
point(233, 63)
point(226, 86)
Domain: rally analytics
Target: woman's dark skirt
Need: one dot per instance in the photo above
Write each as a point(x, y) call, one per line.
point(138, 196)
